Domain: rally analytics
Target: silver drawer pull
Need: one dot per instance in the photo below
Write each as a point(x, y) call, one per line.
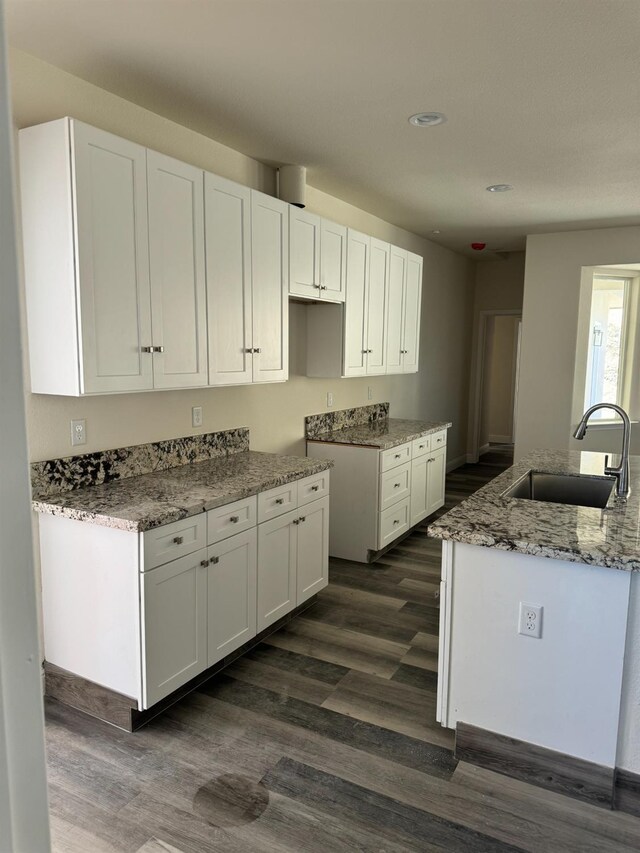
point(147, 349)
point(214, 560)
point(396, 521)
point(314, 488)
point(158, 349)
point(257, 349)
point(323, 287)
point(204, 563)
point(398, 455)
point(234, 519)
point(421, 446)
point(296, 521)
point(178, 540)
point(279, 500)
point(317, 287)
point(396, 485)
point(302, 518)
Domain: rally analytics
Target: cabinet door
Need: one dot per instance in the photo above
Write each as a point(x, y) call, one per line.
point(270, 288)
point(304, 253)
point(228, 249)
point(277, 558)
point(231, 592)
point(112, 245)
point(395, 309)
point(313, 549)
point(356, 304)
point(378, 292)
point(333, 261)
point(436, 479)
point(419, 476)
point(412, 305)
point(174, 623)
point(176, 265)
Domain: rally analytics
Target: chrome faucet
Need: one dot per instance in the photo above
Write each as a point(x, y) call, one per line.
point(621, 473)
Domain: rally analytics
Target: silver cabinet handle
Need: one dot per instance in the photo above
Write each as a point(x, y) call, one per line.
point(147, 349)
point(234, 519)
point(178, 540)
point(214, 560)
point(314, 488)
point(421, 447)
point(296, 521)
point(249, 350)
point(398, 456)
point(257, 349)
point(253, 349)
point(158, 349)
point(396, 521)
point(323, 287)
point(317, 287)
point(204, 563)
point(302, 518)
point(279, 500)
point(396, 485)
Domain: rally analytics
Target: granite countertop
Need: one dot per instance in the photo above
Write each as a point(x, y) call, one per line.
point(602, 537)
point(383, 433)
point(143, 502)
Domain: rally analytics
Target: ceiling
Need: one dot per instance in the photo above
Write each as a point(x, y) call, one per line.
point(540, 94)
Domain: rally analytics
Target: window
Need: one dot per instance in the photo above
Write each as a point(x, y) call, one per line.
point(611, 341)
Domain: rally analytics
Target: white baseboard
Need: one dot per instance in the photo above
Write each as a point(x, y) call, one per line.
point(452, 464)
point(500, 439)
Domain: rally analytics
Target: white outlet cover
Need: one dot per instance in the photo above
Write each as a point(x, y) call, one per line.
point(196, 416)
point(530, 620)
point(78, 432)
point(370, 393)
point(329, 399)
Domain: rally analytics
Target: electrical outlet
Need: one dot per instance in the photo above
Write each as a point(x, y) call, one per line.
point(78, 432)
point(369, 393)
point(329, 399)
point(530, 622)
point(196, 416)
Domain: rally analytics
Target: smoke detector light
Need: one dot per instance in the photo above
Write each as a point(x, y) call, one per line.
point(427, 119)
point(499, 188)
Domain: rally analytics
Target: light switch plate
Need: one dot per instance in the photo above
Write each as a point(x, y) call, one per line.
point(78, 432)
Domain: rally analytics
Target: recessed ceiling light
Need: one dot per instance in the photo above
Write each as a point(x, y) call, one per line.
point(436, 231)
point(427, 119)
point(499, 188)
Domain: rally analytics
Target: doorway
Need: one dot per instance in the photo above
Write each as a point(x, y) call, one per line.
point(496, 386)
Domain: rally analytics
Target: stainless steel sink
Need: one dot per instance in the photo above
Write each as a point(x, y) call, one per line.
point(577, 490)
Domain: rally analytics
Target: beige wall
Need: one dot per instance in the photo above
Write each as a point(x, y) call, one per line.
point(274, 413)
point(497, 402)
point(499, 286)
point(549, 332)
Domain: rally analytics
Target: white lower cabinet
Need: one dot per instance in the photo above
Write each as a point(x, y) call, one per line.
point(377, 495)
point(142, 614)
point(231, 594)
point(174, 625)
point(277, 546)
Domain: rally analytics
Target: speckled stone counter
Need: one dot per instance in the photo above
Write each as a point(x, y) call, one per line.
point(140, 503)
point(607, 537)
point(383, 433)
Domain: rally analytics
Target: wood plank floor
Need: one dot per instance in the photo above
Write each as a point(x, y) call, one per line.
point(323, 738)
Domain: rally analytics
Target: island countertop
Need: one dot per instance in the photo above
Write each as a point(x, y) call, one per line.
point(607, 537)
point(382, 433)
point(143, 502)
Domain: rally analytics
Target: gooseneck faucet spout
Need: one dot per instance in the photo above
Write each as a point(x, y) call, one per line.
point(621, 472)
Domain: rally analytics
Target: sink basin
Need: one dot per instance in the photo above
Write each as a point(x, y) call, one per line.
point(578, 490)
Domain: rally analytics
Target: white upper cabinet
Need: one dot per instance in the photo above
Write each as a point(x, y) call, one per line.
point(228, 243)
point(84, 205)
point(376, 309)
point(411, 314)
point(270, 287)
point(176, 262)
point(318, 256)
point(304, 248)
point(403, 313)
point(357, 304)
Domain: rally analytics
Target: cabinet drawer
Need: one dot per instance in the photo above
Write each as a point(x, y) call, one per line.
point(395, 486)
point(231, 518)
point(313, 487)
point(395, 456)
point(174, 540)
point(420, 446)
point(393, 522)
point(438, 439)
point(277, 501)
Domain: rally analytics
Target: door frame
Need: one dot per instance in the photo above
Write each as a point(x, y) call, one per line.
point(478, 375)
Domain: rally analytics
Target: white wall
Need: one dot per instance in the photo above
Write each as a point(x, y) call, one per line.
point(274, 413)
point(497, 396)
point(549, 332)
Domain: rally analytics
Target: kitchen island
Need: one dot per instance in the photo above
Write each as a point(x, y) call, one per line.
point(540, 630)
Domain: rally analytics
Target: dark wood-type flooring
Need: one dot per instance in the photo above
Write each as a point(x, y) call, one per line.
point(322, 738)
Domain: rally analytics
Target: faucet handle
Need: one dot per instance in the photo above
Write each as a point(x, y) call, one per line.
point(606, 463)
